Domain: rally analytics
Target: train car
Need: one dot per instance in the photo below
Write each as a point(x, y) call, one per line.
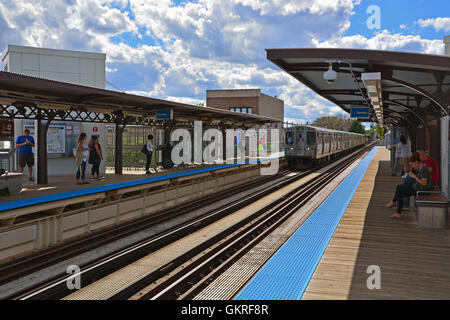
point(307, 145)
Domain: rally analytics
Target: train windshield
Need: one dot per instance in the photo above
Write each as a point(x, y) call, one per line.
point(289, 137)
point(311, 138)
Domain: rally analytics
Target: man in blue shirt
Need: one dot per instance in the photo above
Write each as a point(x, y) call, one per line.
point(25, 145)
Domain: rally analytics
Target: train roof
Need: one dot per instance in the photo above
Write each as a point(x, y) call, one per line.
point(325, 129)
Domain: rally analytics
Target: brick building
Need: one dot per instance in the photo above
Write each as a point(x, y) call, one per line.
point(247, 101)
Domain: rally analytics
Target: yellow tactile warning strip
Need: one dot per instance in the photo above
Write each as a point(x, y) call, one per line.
point(413, 262)
point(108, 286)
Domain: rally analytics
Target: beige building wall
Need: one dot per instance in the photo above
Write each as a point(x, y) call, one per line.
point(261, 104)
point(77, 67)
point(271, 107)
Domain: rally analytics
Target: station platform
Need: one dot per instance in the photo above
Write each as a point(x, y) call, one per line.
point(332, 254)
point(67, 183)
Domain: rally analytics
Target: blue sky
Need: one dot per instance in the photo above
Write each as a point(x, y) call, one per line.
point(178, 49)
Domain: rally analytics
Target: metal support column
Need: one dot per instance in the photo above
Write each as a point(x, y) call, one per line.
point(42, 129)
point(118, 156)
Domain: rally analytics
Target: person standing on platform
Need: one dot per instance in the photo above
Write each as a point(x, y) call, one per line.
point(95, 157)
point(25, 143)
point(405, 151)
point(397, 154)
point(148, 153)
point(82, 153)
point(432, 165)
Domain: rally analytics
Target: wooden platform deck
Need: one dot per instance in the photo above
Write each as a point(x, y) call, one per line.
point(414, 262)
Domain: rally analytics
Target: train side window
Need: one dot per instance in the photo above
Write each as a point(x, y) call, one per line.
point(311, 138)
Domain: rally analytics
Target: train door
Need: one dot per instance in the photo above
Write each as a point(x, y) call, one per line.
point(299, 143)
point(320, 143)
point(312, 143)
point(329, 142)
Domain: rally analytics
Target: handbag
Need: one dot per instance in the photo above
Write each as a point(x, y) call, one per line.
point(78, 157)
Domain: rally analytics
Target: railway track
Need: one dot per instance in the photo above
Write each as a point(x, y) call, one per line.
point(18, 268)
point(194, 277)
point(56, 287)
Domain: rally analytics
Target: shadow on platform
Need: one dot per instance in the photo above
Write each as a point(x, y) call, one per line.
point(414, 262)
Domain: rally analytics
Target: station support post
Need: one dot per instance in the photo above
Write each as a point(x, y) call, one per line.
point(118, 153)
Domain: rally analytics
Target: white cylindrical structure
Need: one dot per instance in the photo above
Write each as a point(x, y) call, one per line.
point(447, 45)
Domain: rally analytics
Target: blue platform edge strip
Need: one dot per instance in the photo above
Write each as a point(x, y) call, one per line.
point(287, 273)
point(10, 205)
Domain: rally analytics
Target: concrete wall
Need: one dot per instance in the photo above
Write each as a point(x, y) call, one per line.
point(84, 68)
point(271, 107)
point(77, 67)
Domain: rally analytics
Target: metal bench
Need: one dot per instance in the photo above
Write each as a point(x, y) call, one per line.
point(433, 209)
point(12, 182)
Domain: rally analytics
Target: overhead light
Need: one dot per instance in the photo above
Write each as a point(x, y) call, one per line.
point(372, 82)
point(330, 75)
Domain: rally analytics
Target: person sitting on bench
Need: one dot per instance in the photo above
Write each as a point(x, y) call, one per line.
point(432, 165)
point(423, 183)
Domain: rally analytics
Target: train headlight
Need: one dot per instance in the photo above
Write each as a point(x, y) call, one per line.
point(291, 148)
point(308, 148)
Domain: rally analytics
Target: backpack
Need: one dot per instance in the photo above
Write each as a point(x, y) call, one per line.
point(144, 149)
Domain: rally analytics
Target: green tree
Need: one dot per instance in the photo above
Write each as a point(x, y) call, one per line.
point(340, 122)
point(357, 127)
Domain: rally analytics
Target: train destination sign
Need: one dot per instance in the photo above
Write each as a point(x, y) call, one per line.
point(360, 112)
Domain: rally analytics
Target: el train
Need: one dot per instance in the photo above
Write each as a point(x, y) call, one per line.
point(306, 146)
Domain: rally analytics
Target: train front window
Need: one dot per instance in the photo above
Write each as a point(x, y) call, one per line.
point(311, 138)
point(289, 137)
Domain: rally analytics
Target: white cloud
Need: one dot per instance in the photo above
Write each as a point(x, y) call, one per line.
point(385, 40)
point(182, 50)
point(437, 23)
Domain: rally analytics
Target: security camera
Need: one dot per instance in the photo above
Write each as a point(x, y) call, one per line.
point(330, 75)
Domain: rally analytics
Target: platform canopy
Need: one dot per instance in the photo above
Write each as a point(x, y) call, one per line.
point(398, 87)
point(24, 97)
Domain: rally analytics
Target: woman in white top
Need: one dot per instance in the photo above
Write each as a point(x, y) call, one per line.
point(81, 157)
point(405, 150)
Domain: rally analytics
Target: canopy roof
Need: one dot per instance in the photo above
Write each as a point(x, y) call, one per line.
point(414, 86)
point(21, 95)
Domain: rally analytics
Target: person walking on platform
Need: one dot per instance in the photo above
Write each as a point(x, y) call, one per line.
point(25, 143)
point(95, 157)
point(432, 165)
point(422, 183)
point(81, 155)
point(148, 151)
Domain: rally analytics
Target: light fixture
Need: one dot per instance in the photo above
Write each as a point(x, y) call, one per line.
point(330, 75)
